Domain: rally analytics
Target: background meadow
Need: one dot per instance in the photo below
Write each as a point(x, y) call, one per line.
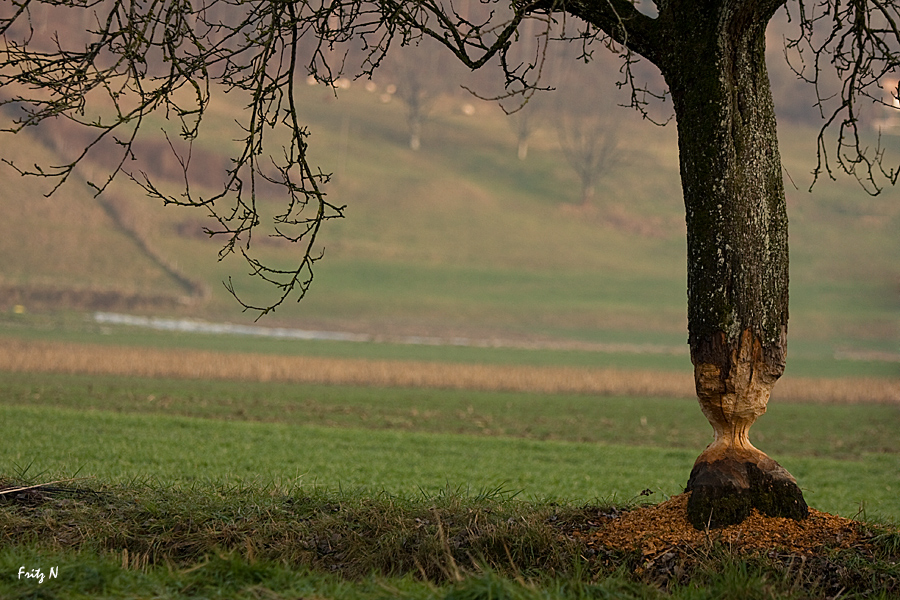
point(412, 441)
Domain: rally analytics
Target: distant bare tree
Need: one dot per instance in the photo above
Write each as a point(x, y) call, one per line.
point(422, 73)
point(526, 121)
point(526, 117)
point(588, 134)
point(590, 143)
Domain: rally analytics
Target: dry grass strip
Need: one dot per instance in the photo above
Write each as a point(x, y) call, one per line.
point(60, 357)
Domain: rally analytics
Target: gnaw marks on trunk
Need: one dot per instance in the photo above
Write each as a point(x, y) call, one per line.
point(737, 255)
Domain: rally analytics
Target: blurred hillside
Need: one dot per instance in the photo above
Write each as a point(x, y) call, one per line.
point(468, 235)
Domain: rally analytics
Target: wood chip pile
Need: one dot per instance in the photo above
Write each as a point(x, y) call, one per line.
point(658, 529)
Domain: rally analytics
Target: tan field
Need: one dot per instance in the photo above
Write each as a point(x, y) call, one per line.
point(89, 359)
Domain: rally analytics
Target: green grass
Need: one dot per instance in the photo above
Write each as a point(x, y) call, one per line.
point(544, 446)
point(196, 489)
point(79, 328)
point(94, 576)
point(178, 450)
point(226, 576)
point(826, 431)
point(140, 540)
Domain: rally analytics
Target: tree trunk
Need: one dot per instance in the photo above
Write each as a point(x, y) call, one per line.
point(415, 132)
point(522, 151)
point(737, 254)
point(587, 192)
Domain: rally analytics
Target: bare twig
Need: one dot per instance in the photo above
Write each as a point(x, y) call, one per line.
point(15, 490)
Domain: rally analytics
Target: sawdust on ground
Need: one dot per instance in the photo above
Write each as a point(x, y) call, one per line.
point(661, 528)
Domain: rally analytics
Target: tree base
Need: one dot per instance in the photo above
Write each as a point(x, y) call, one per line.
point(724, 491)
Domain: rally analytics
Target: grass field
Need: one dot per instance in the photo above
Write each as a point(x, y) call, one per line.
point(233, 467)
point(189, 488)
point(401, 440)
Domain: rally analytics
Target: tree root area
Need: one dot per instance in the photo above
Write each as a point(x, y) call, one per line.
point(724, 492)
point(826, 555)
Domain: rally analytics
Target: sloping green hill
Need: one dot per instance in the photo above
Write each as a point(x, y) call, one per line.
point(69, 248)
point(463, 238)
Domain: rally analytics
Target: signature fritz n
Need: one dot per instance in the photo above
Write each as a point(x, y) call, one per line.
point(38, 574)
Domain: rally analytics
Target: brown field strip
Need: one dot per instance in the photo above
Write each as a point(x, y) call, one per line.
point(94, 359)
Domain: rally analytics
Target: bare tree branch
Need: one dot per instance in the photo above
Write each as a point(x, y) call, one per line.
point(847, 50)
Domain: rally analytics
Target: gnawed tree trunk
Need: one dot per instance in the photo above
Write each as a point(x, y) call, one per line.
point(737, 253)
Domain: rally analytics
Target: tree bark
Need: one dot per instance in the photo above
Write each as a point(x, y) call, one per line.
point(737, 252)
point(712, 55)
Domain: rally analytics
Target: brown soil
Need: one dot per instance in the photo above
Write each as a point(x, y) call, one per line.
point(659, 529)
